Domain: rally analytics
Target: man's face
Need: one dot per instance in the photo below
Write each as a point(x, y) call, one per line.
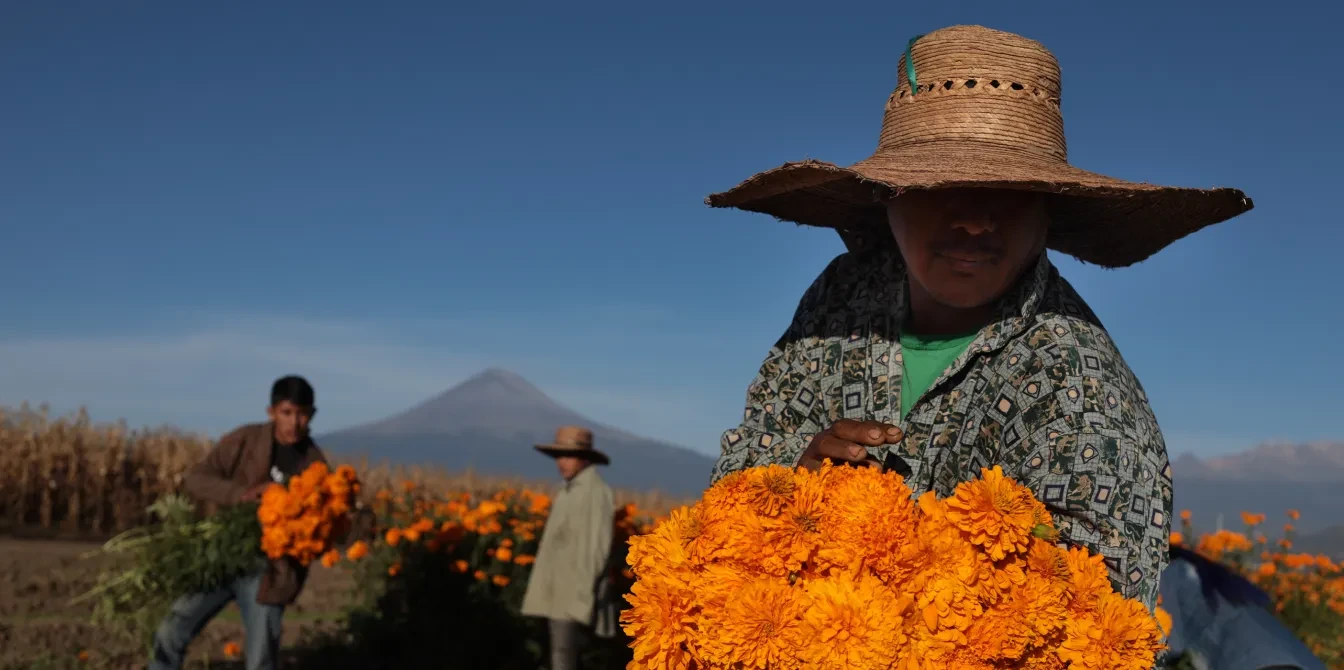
point(569, 465)
point(291, 421)
point(966, 247)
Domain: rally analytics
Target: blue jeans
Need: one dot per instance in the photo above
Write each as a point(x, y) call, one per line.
point(191, 613)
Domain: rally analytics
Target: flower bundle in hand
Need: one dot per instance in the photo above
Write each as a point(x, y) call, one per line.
point(184, 554)
point(304, 519)
point(840, 568)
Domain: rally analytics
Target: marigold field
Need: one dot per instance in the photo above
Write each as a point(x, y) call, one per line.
point(438, 581)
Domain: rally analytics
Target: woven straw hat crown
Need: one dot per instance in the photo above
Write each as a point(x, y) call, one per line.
point(573, 441)
point(977, 107)
point(978, 85)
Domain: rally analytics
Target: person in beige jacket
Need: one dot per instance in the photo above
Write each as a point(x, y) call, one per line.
point(570, 584)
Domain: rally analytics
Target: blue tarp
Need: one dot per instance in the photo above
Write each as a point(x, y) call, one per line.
point(1224, 620)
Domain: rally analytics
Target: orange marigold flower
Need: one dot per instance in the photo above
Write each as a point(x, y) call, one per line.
point(1185, 515)
point(796, 532)
point(1122, 635)
point(358, 550)
point(1163, 620)
point(524, 559)
point(500, 580)
point(1177, 538)
point(1031, 611)
point(854, 623)
point(393, 537)
point(394, 570)
point(1214, 545)
point(661, 620)
point(330, 558)
point(83, 656)
point(869, 518)
point(232, 649)
point(729, 494)
point(461, 565)
point(503, 554)
point(1089, 580)
point(945, 579)
point(1252, 519)
point(663, 547)
point(479, 575)
point(759, 626)
point(770, 488)
point(996, 512)
point(1294, 514)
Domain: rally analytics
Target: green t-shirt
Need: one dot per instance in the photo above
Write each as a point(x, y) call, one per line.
point(925, 359)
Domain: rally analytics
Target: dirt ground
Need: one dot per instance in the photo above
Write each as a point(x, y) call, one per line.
point(40, 629)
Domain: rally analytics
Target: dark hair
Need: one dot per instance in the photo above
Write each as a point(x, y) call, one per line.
point(293, 388)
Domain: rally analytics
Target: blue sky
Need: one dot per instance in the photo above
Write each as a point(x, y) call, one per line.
point(199, 197)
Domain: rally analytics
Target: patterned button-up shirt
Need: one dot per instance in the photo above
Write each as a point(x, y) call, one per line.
point(1041, 391)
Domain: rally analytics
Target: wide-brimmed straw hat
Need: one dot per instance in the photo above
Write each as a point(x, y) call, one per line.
point(976, 107)
point(573, 441)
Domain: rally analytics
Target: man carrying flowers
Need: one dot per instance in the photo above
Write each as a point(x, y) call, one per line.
point(944, 341)
point(240, 467)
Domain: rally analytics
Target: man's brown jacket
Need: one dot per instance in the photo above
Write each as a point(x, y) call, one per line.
point(238, 462)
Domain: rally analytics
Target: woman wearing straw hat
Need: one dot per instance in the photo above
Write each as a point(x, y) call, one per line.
point(568, 586)
point(944, 341)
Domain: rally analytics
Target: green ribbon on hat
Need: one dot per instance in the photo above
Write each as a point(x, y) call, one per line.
point(910, 63)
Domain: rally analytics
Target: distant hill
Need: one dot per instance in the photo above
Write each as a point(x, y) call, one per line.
point(490, 422)
point(1270, 479)
point(1329, 541)
point(1310, 462)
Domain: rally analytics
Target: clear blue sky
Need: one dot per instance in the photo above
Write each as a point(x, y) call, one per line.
point(197, 197)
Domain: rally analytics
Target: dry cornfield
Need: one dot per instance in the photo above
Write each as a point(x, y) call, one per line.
point(68, 476)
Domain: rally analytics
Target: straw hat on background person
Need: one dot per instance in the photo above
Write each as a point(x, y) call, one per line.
point(573, 441)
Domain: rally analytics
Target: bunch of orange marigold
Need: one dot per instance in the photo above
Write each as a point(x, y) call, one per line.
point(840, 568)
point(302, 520)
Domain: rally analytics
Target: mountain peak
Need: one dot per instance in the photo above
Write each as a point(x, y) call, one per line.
point(488, 423)
point(494, 398)
point(496, 375)
point(498, 381)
